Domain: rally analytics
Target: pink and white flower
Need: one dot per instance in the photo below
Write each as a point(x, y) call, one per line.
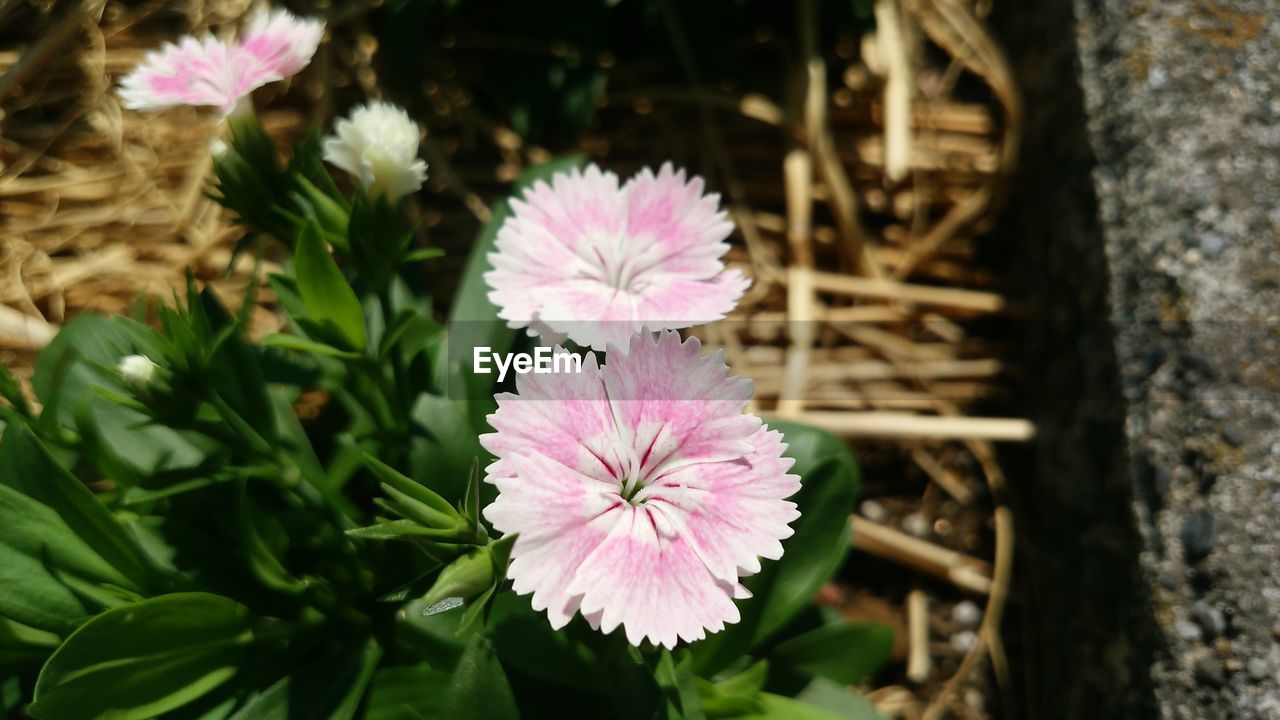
point(640, 490)
point(208, 71)
point(587, 259)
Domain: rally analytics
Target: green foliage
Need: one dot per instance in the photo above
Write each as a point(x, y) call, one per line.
point(146, 658)
point(844, 652)
point(830, 488)
point(332, 308)
point(187, 546)
point(478, 688)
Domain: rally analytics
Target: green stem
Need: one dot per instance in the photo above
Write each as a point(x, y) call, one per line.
point(397, 364)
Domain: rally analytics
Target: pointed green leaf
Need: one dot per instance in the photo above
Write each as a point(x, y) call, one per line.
point(478, 689)
point(427, 253)
point(406, 693)
point(414, 490)
point(777, 707)
point(26, 466)
point(328, 298)
point(293, 342)
point(844, 652)
point(329, 688)
point(144, 659)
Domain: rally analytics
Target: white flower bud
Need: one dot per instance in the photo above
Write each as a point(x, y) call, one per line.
point(378, 144)
point(137, 370)
point(217, 148)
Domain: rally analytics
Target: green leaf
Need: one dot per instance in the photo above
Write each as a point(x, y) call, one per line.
point(445, 447)
point(22, 645)
point(259, 556)
point(406, 693)
point(777, 707)
point(471, 505)
point(747, 682)
point(392, 530)
point(432, 636)
point(478, 689)
point(427, 253)
point(676, 682)
point(844, 652)
point(734, 696)
point(26, 466)
point(67, 368)
point(327, 689)
point(836, 698)
point(48, 574)
point(328, 298)
point(144, 659)
point(233, 370)
point(297, 444)
point(332, 214)
point(415, 491)
point(293, 342)
point(525, 641)
point(810, 557)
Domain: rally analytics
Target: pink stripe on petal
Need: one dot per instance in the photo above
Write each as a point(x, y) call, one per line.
point(673, 213)
point(274, 46)
point(209, 72)
point(655, 587)
point(191, 72)
point(675, 302)
point(600, 262)
point(561, 517)
point(664, 390)
point(733, 513)
point(632, 507)
point(558, 415)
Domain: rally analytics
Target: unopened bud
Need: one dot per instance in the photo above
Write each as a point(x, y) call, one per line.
point(466, 577)
point(137, 371)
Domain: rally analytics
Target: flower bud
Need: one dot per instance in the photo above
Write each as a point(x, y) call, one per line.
point(465, 577)
point(137, 371)
point(378, 144)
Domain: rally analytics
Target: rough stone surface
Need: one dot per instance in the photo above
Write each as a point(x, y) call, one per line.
point(1155, 197)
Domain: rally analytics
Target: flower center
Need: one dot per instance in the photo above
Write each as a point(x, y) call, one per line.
point(614, 266)
point(631, 486)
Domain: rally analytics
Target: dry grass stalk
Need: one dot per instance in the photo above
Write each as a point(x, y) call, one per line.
point(100, 206)
point(919, 661)
point(967, 573)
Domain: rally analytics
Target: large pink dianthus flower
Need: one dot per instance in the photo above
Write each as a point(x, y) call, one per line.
point(587, 259)
point(640, 491)
point(208, 71)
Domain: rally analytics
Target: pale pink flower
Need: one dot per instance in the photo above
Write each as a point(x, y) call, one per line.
point(640, 491)
point(587, 259)
point(208, 71)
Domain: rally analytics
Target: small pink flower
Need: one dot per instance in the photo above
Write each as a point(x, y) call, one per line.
point(209, 72)
point(587, 259)
point(640, 491)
